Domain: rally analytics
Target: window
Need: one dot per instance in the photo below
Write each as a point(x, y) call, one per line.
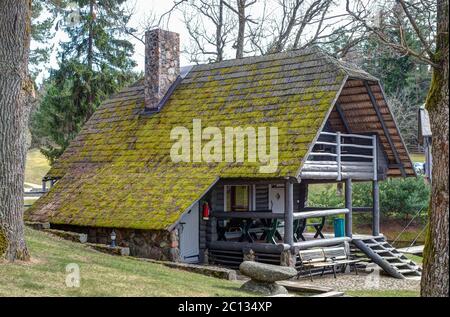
point(237, 198)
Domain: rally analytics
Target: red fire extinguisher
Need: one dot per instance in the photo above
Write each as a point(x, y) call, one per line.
point(206, 211)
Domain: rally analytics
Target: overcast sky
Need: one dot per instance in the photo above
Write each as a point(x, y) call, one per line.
point(143, 9)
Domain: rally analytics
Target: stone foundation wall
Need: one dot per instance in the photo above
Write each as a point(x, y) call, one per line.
point(153, 244)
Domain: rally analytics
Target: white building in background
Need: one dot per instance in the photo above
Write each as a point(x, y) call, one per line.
point(425, 138)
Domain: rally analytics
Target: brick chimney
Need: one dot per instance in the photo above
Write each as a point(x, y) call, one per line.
point(162, 65)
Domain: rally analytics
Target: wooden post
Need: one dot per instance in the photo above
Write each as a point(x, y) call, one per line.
point(375, 157)
point(211, 231)
point(338, 157)
point(376, 208)
point(289, 214)
point(349, 206)
point(44, 185)
point(303, 196)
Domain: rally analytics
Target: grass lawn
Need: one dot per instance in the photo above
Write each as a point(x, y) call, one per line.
point(36, 167)
point(383, 293)
point(101, 274)
point(415, 258)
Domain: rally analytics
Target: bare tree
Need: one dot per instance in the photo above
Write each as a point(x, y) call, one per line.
point(249, 27)
point(405, 114)
point(243, 20)
point(429, 21)
point(295, 24)
point(210, 24)
point(16, 91)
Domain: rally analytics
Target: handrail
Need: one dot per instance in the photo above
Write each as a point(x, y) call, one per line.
point(347, 135)
point(369, 147)
point(326, 143)
point(360, 136)
point(271, 215)
point(357, 155)
point(323, 154)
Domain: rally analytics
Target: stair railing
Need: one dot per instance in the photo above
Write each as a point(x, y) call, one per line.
point(407, 226)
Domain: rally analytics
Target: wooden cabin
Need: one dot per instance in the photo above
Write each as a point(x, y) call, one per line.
point(334, 124)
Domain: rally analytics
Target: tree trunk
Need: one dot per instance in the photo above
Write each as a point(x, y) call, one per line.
point(90, 57)
point(435, 281)
point(219, 35)
point(241, 30)
point(16, 88)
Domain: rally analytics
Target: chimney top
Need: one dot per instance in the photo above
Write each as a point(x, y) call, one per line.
point(162, 66)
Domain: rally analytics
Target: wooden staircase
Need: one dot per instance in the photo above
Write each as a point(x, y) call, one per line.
point(387, 257)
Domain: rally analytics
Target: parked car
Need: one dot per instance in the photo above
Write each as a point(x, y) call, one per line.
point(419, 167)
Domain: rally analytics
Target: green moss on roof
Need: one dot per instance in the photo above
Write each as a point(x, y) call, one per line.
point(118, 171)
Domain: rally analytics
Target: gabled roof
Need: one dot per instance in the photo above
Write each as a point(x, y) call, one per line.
point(118, 171)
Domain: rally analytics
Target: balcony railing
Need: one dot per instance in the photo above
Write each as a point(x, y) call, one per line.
point(339, 156)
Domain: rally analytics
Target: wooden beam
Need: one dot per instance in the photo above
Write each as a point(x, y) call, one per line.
point(376, 208)
point(375, 157)
point(348, 205)
point(246, 215)
point(362, 209)
point(270, 215)
point(344, 120)
point(249, 181)
point(339, 156)
point(320, 213)
point(385, 129)
point(297, 246)
point(302, 196)
point(240, 246)
point(289, 214)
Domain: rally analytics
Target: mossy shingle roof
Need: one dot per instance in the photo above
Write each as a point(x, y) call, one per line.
point(118, 171)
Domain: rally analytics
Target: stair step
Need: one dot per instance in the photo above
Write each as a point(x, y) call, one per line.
point(374, 245)
point(388, 258)
point(382, 251)
point(400, 264)
point(406, 271)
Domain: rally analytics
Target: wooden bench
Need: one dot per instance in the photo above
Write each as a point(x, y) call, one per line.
point(325, 258)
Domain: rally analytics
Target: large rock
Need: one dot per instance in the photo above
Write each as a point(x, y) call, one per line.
point(268, 289)
point(265, 272)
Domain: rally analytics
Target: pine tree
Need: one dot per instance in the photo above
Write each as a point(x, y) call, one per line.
point(42, 19)
point(94, 63)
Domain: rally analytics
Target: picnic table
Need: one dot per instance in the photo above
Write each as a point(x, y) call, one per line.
point(248, 229)
point(300, 226)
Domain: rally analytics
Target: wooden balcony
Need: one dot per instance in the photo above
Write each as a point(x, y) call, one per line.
point(339, 156)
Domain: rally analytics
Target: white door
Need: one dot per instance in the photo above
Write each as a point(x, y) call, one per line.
point(189, 235)
point(276, 199)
